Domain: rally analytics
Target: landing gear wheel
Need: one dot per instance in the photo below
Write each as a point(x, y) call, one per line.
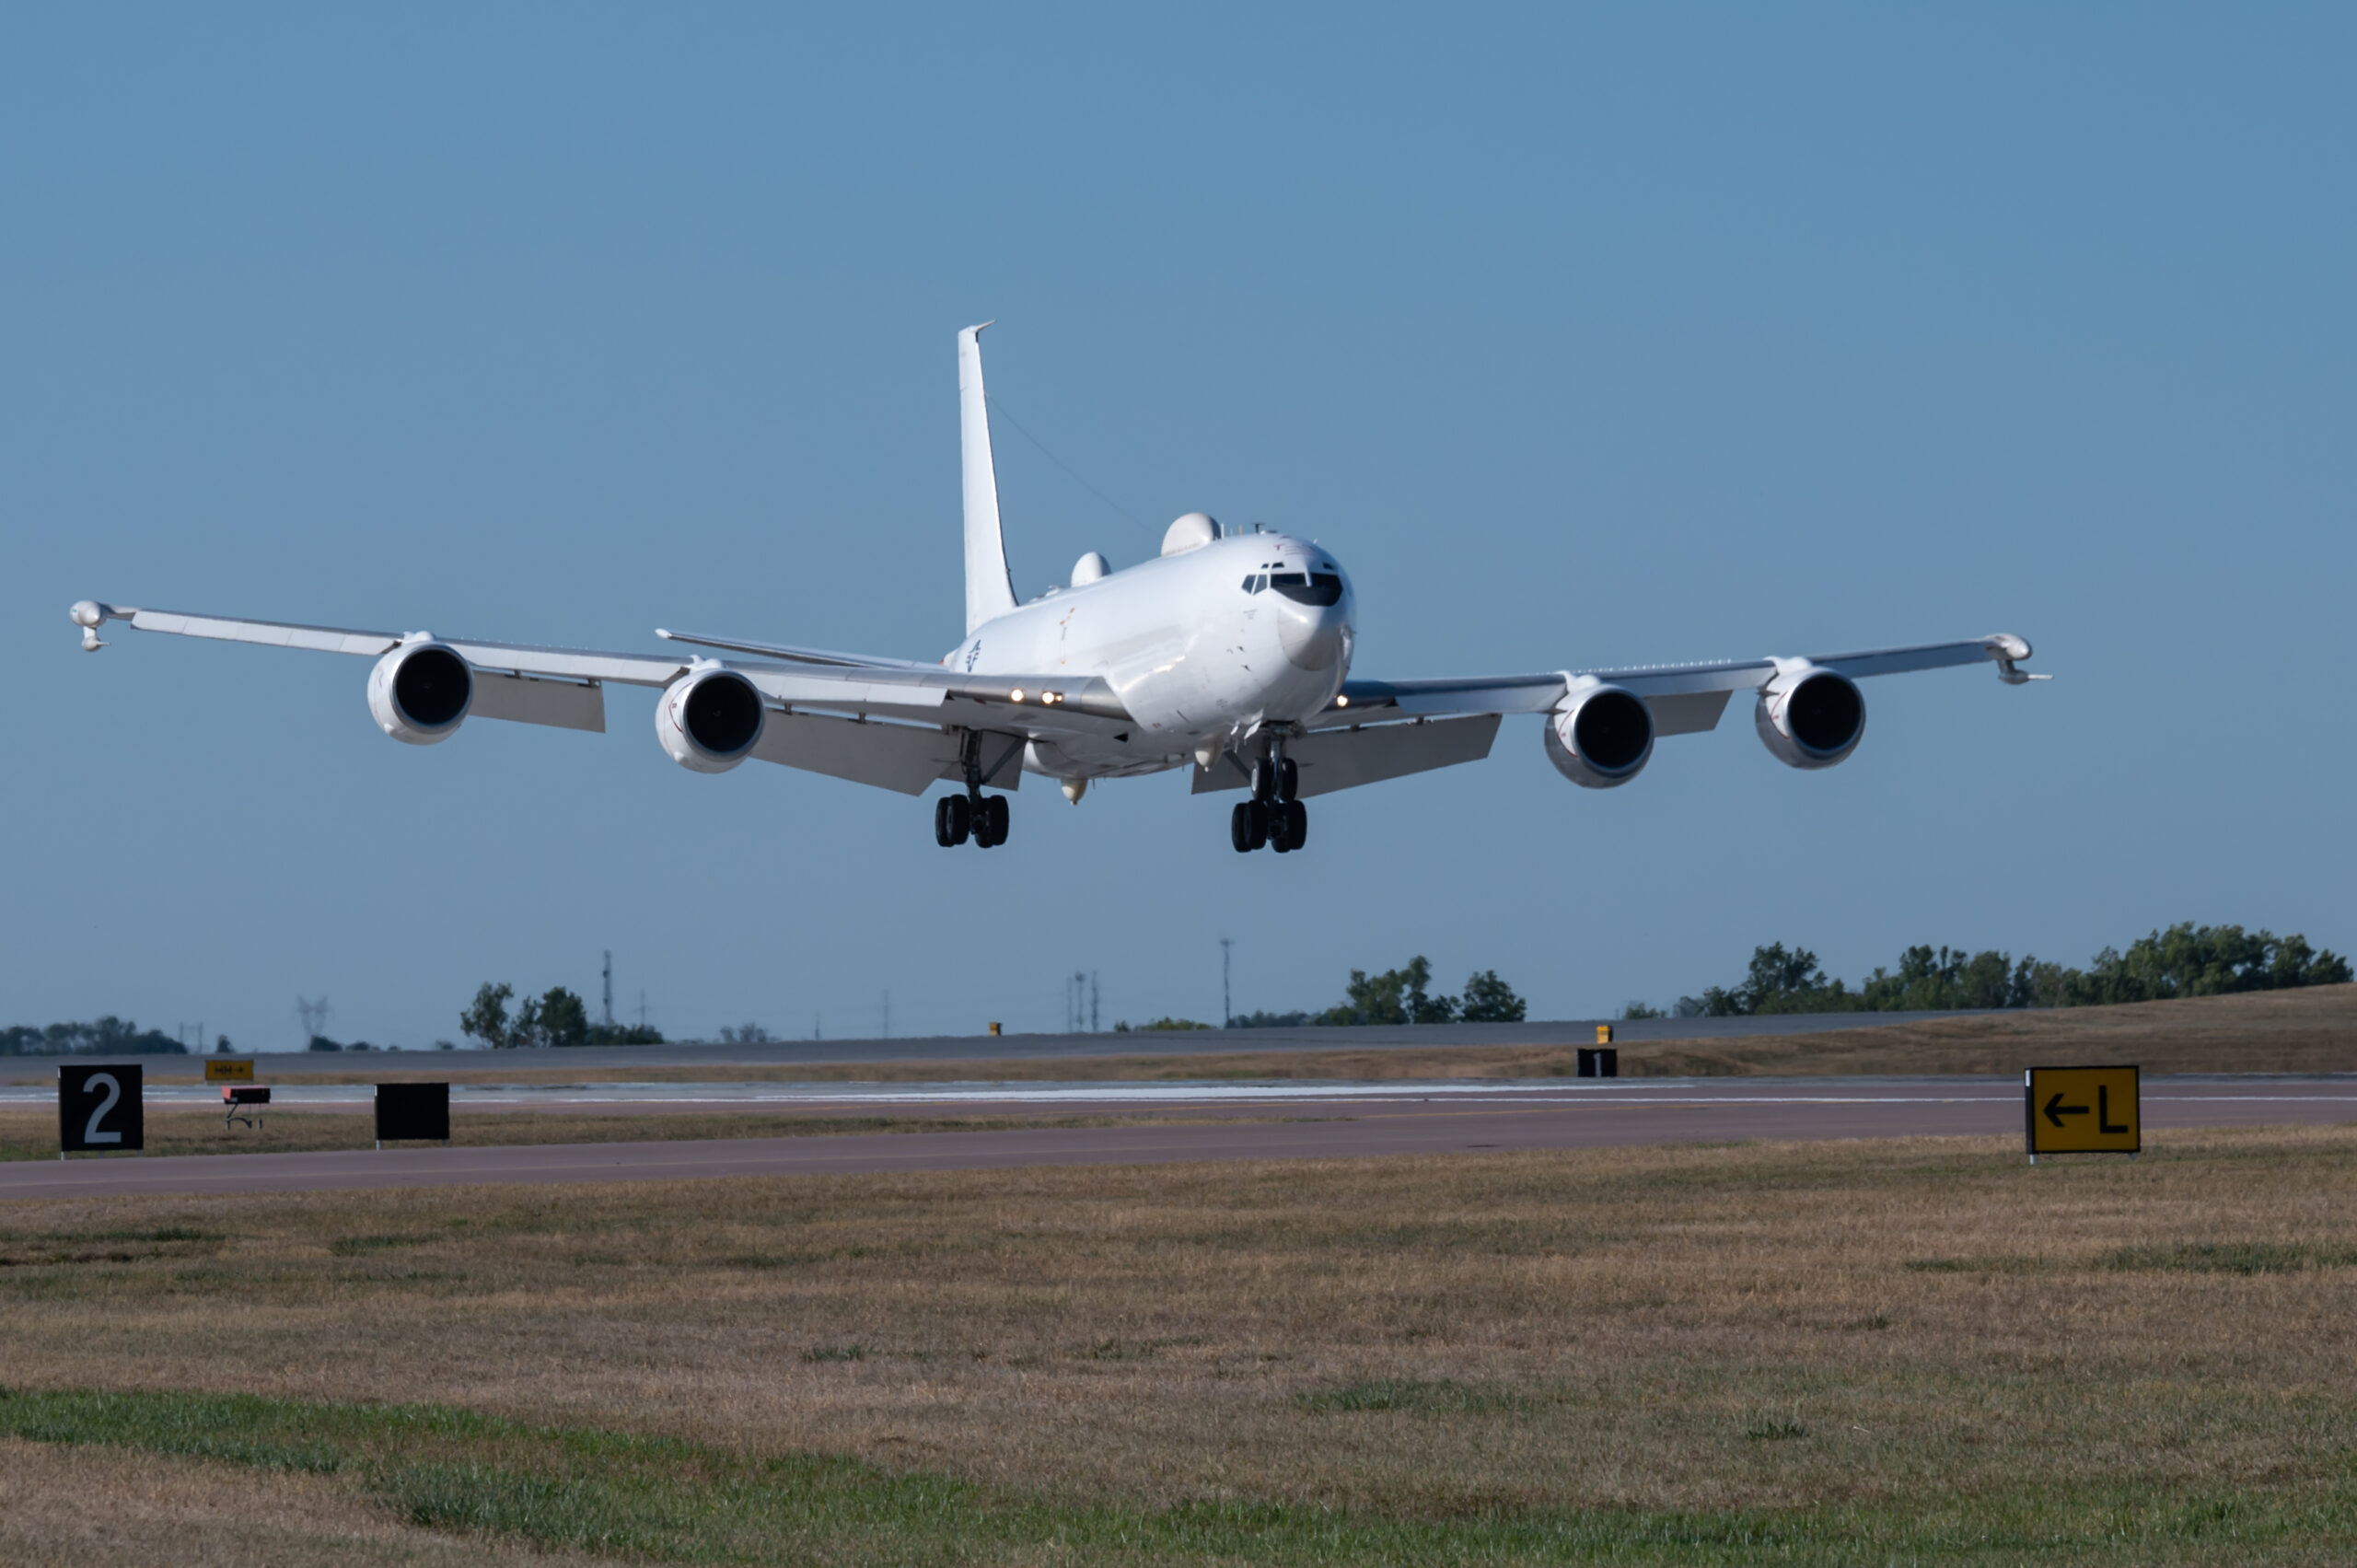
point(1290, 828)
point(1288, 779)
point(953, 819)
point(1248, 826)
point(990, 820)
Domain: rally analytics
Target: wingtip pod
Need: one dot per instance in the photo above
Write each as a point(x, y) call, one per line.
point(2008, 651)
point(89, 615)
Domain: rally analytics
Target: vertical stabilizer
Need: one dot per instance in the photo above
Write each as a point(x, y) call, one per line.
point(989, 592)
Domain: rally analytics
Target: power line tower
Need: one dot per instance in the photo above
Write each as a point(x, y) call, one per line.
point(1093, 1026)
point(1227, 1007)
point(313, 1016)
point(610, 988)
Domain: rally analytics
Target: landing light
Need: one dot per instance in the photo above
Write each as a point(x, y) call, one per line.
point(1341, 702)
point(1015, 695)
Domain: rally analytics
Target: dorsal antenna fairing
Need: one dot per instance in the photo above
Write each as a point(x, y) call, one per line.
point(990, 588)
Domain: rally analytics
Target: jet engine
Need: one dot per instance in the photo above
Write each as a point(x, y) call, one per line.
point(1810, 718)
point(709, 719)
point(1600, 737)
point(421, 692)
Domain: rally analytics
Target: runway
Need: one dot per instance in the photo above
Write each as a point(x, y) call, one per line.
point(1237, 1121)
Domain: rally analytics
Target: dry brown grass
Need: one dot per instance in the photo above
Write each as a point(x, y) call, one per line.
point(2313, 1030)
point(1707, 1329)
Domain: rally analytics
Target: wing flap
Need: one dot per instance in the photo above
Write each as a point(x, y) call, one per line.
point(906, 757)
point(561, 704)
point(1334, 760)
point(1691, 713)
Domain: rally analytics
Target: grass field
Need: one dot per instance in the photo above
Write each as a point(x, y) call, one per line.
point(2290, 1031)
point(1919, 1351)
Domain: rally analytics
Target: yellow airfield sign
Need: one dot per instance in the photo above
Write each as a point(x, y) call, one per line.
point(218, 1071)
point(2083, 1111)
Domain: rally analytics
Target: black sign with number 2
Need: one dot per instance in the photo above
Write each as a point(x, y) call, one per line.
point(99, 1109)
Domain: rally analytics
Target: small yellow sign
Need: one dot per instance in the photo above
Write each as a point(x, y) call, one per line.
point(2083, 1111)
point(1604, 1034)
point(219, 1071)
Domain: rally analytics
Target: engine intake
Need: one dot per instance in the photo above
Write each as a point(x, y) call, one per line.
point(1810, 718)
point(1600, 738)
point(709, 719)
point(420, 692)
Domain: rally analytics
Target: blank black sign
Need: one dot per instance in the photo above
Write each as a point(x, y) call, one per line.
point(99, 1109)
point(412, 1111)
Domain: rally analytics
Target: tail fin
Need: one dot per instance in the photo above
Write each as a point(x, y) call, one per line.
point(990, 591)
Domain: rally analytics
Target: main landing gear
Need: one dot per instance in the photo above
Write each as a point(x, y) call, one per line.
point(973, 814)
point(983, 818)
point(1272, 817)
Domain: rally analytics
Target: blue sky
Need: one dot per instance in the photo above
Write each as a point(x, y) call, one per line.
point(1677, 332)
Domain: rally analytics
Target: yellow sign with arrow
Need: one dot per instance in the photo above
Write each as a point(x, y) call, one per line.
point(2083, 1111)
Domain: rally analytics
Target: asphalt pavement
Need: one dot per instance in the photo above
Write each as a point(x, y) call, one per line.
point(1225, 1123)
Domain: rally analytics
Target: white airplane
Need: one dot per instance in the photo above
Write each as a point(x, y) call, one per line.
point(1229, 652)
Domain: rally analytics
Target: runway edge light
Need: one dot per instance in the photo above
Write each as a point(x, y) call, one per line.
point(2094, 1111)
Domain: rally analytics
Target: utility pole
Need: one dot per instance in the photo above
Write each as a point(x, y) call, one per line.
point(1226, 1007)
point(1093, 1026)
point(888, 1014)
point(610, 988)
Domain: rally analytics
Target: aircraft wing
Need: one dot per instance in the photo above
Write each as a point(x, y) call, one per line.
point(1686, 698)
point(823, 706)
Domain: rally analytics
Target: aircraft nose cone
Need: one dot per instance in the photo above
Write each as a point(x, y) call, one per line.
point(1314, 636)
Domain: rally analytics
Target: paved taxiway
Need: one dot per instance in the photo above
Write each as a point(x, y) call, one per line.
point(1226, 1122)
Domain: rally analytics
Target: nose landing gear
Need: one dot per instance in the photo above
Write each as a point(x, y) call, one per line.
point(1272, 817)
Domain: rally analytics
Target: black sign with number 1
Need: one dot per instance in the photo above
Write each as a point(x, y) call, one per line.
point(99, 1109)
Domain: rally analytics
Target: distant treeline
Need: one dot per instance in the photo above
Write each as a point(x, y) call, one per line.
point(109, 1036)
point(1403, 996)
point(2184, 960)
point(557, 1018)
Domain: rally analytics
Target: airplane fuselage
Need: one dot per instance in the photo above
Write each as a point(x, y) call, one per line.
point(1205, 645)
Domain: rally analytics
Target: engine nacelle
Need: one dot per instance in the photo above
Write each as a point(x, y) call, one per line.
point(421, 692)
point(1810, 718)
point(1600, 737)
point(709, 719)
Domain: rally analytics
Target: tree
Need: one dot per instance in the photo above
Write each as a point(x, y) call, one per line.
point(1396, 996)
point(563, 1017)
point(1489, 1000)
point(486, 1021)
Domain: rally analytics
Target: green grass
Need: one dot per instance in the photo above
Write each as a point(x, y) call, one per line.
point(2234, 1257)
point(656, 1499)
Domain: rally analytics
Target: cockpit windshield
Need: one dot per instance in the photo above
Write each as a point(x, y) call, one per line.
point(1308, 588)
